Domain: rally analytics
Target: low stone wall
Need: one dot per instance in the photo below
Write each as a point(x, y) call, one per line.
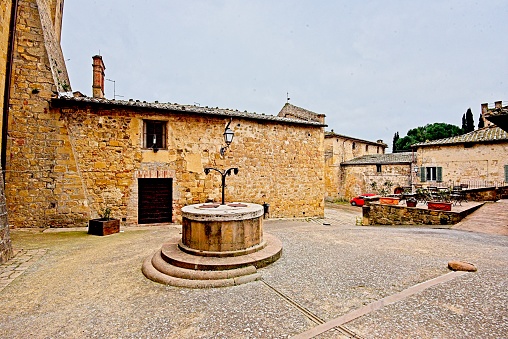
point(482, 194)
point(379, 214)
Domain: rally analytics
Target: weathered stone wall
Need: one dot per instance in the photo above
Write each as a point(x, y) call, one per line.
point(298, 113)
point(337, 150)
point(280, 164)
point(37, 144)
point(460, 162)
point(357, 179)
point(486, 193)
point(379, 214)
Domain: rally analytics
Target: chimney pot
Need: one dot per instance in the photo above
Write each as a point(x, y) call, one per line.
point(498, 104)
point(98, 77)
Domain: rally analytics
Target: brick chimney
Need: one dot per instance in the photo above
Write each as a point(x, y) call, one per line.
point(98, 77)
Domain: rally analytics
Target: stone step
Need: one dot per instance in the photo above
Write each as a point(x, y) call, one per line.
point(153, 274)
point(172, 254)
point(164, 267)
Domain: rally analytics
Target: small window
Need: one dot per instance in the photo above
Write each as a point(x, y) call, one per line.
point(366, 148)
point(354, 145)
point(378, 168)
point(154, 134)
point(378, 150)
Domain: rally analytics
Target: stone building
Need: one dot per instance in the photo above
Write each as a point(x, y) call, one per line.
point(68, 157)
point(498, 115)
point(357, 175)
point(339, 149)
point(479, 157)
point(7, 24)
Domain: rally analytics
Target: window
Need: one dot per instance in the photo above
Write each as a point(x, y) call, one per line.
point(378, 168)
point(354, 145)
point(366, 148)
point(154, 134)
point(378, 150)
point(431, 174)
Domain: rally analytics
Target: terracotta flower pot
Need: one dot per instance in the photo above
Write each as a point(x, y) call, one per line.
point(411, 203)
point(389, 201)
point(439, 205)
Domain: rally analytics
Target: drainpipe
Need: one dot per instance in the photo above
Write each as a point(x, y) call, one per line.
point(7, 89)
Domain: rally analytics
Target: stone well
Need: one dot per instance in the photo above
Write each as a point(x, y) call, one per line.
point(221, 245)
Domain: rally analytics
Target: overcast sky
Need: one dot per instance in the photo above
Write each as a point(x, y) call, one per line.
point(373, 67)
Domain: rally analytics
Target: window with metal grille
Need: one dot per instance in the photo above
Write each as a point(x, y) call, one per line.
point(154, 134)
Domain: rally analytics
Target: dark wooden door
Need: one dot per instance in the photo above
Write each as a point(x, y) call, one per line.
point(155, 198)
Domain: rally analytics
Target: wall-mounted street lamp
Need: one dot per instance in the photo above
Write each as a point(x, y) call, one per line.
point(228, 139)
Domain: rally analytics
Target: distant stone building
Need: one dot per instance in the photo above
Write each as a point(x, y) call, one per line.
point(339, 149)
point(68, 156)
point(358, 174)
point(498, 115)
point(478, 156)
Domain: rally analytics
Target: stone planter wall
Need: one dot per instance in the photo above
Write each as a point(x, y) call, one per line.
point(378, 214)
point(487, 193)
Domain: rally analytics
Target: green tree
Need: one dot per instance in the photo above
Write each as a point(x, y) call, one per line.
point(469, 121)
point(426, 133)
point(395, 138)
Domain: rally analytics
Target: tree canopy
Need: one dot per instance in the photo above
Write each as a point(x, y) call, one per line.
point(429, 132)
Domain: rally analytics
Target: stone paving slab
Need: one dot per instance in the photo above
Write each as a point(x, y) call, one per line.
point(16, 265)
point(491, 218)
point(93, 286)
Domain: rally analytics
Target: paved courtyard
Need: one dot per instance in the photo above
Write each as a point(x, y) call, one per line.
point(334, 280)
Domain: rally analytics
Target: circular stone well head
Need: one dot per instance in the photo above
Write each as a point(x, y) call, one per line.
point(225, 228)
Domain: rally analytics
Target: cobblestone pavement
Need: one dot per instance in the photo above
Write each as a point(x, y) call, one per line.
point(334, 280)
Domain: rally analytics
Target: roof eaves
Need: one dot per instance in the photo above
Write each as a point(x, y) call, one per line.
point(62, 100)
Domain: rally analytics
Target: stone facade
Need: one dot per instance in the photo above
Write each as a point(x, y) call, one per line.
point(5, 14)
point(279, 161)
point(479, 156)
point(34, 132)
point(341, 148)
point(357, 179)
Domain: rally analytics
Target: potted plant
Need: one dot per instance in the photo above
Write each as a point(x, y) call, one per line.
point(411, 202)
point(442, 203)
point(384, 192)
point(105, 225)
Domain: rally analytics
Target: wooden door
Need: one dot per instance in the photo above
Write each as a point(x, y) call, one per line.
point(155, 200)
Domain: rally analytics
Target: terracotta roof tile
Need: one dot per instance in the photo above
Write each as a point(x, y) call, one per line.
point(486, 134)
point(64, 98)
point(379, 159)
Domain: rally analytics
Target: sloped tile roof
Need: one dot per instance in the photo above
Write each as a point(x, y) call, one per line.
point(332, 134)
point(68, 99)
point(379, 159)
point(487, 134)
